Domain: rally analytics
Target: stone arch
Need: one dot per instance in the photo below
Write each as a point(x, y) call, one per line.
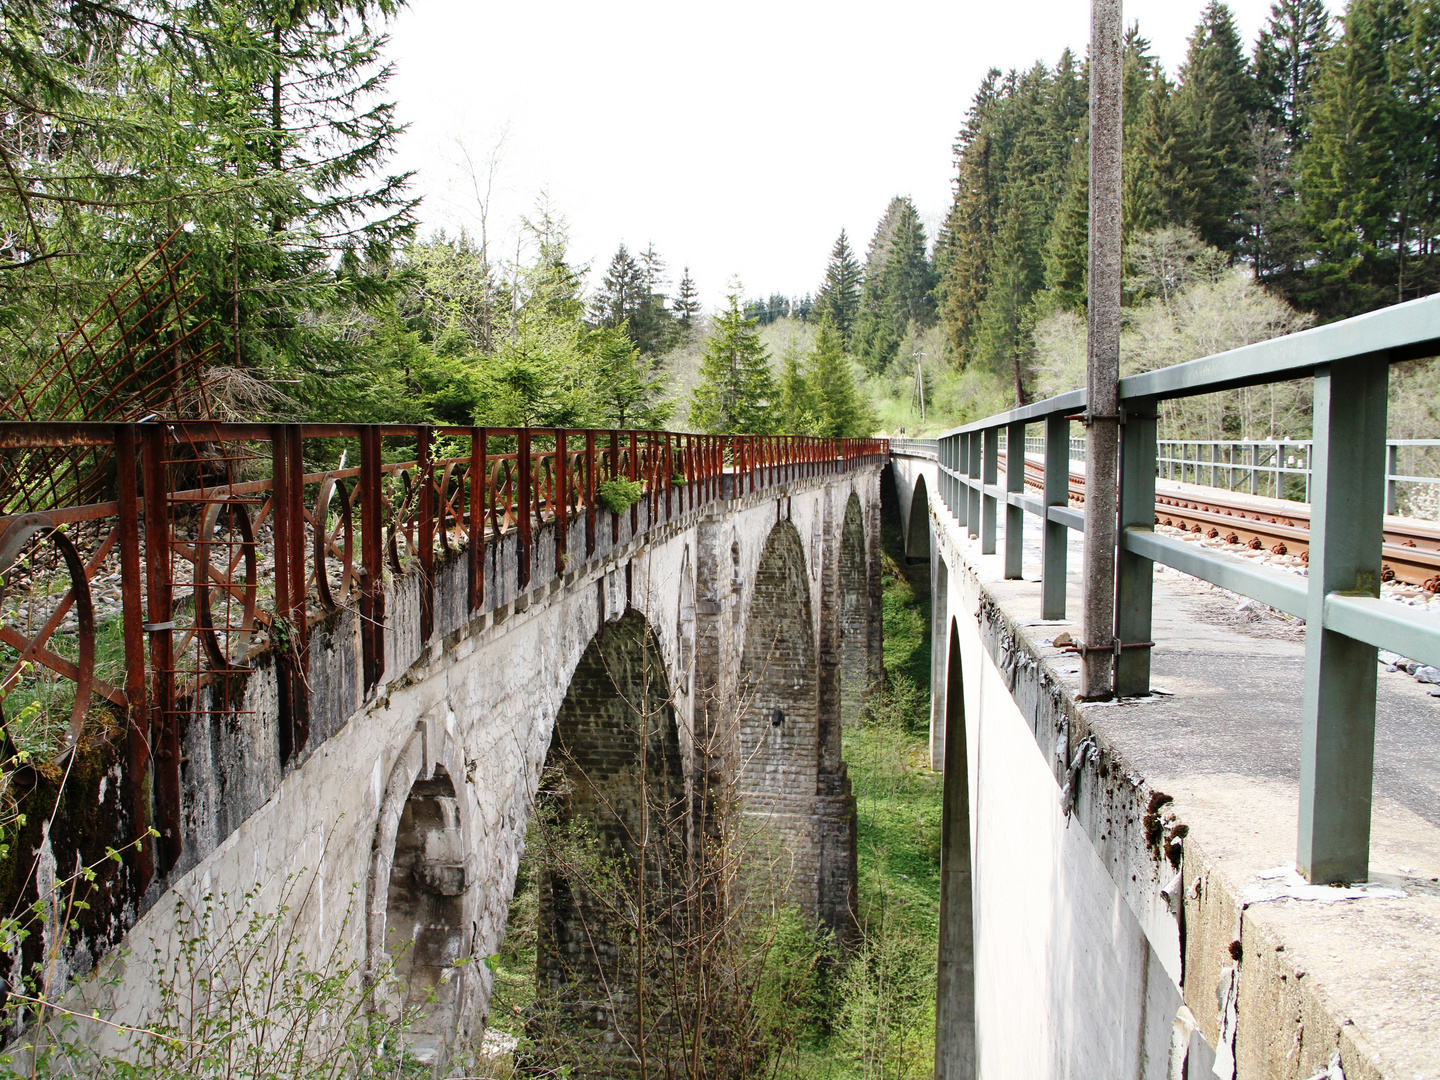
point(422, 919)
point(917, 530)
point(854, 616)
point(614, 772)
point(955, 1057)
point(790, 774)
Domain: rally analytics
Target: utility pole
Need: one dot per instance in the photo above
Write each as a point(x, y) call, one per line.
point(1102, 404)
point(920, 382)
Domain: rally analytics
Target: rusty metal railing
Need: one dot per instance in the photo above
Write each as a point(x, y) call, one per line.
point(226, 541)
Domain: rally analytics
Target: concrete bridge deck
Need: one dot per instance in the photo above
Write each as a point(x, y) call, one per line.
point(1127, 908)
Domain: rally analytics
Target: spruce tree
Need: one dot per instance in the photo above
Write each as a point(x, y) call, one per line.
point(1348, 168)
point(839, 297)
point(1287, 58)
point(622, 290)
point(899, 284)
point(736, 393)
point(1213, 108)
point(687, 302)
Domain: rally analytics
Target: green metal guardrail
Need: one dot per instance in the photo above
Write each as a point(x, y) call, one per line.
point(1349, 362)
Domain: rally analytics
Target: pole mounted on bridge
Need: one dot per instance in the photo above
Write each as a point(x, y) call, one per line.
point(1102, 410)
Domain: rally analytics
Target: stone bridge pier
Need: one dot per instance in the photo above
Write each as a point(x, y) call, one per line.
point(730, 643)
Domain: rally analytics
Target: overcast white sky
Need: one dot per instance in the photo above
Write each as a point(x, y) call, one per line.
point(739, 137)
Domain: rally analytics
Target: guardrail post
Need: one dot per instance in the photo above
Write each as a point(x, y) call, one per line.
point(288, 514)
point(1056, 539)
point(1134, 574)
point(1014, 515)
point(990, 476)
point(1392, 469)
point(589, 493)
point(961, 453)
point(1337, 738)
point(972, 495)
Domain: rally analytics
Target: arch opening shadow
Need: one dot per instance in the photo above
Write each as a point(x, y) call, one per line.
point(611, 820)
point(792, 781)
point(854, 616)
point(917, 530)
point(779, 731)
point(425, 913)
point(955, 1035)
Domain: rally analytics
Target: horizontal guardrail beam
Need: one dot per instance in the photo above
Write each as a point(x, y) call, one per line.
point(1386, 625)
point(1281, 591)
point(1406, 331)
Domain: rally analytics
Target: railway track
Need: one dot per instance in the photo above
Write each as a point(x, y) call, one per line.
point(1411, 551)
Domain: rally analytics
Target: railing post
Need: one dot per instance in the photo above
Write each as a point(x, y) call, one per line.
point(524, 504)
point(1337, 738)
point(1135, 575)
point(990, 477)
point(427, 532)
point(133, 620)
point(288, 514)
point(589, 493)
point(479, 499)
point(1014, 515)
point(634, 475)
point(372, 588)
point(562, 502)
point(164, 725)
point(1056, 537)
point(972, 493)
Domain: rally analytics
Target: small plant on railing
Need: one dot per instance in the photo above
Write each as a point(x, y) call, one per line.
point(619, 494)
point(677, 480)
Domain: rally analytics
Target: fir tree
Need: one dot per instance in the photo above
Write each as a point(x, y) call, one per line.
point(796, 401)
point(626, 390)
point(839, 297)
point(838, 409)
point(736, 392)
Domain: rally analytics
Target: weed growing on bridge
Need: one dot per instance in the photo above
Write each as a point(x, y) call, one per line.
point(618, 495)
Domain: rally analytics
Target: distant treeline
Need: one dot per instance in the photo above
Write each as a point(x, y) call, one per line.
point(1313, 159)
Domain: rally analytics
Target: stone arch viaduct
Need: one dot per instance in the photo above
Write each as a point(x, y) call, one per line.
point(754, 614)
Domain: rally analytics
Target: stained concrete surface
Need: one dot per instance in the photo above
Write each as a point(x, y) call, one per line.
point(1361, 977)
